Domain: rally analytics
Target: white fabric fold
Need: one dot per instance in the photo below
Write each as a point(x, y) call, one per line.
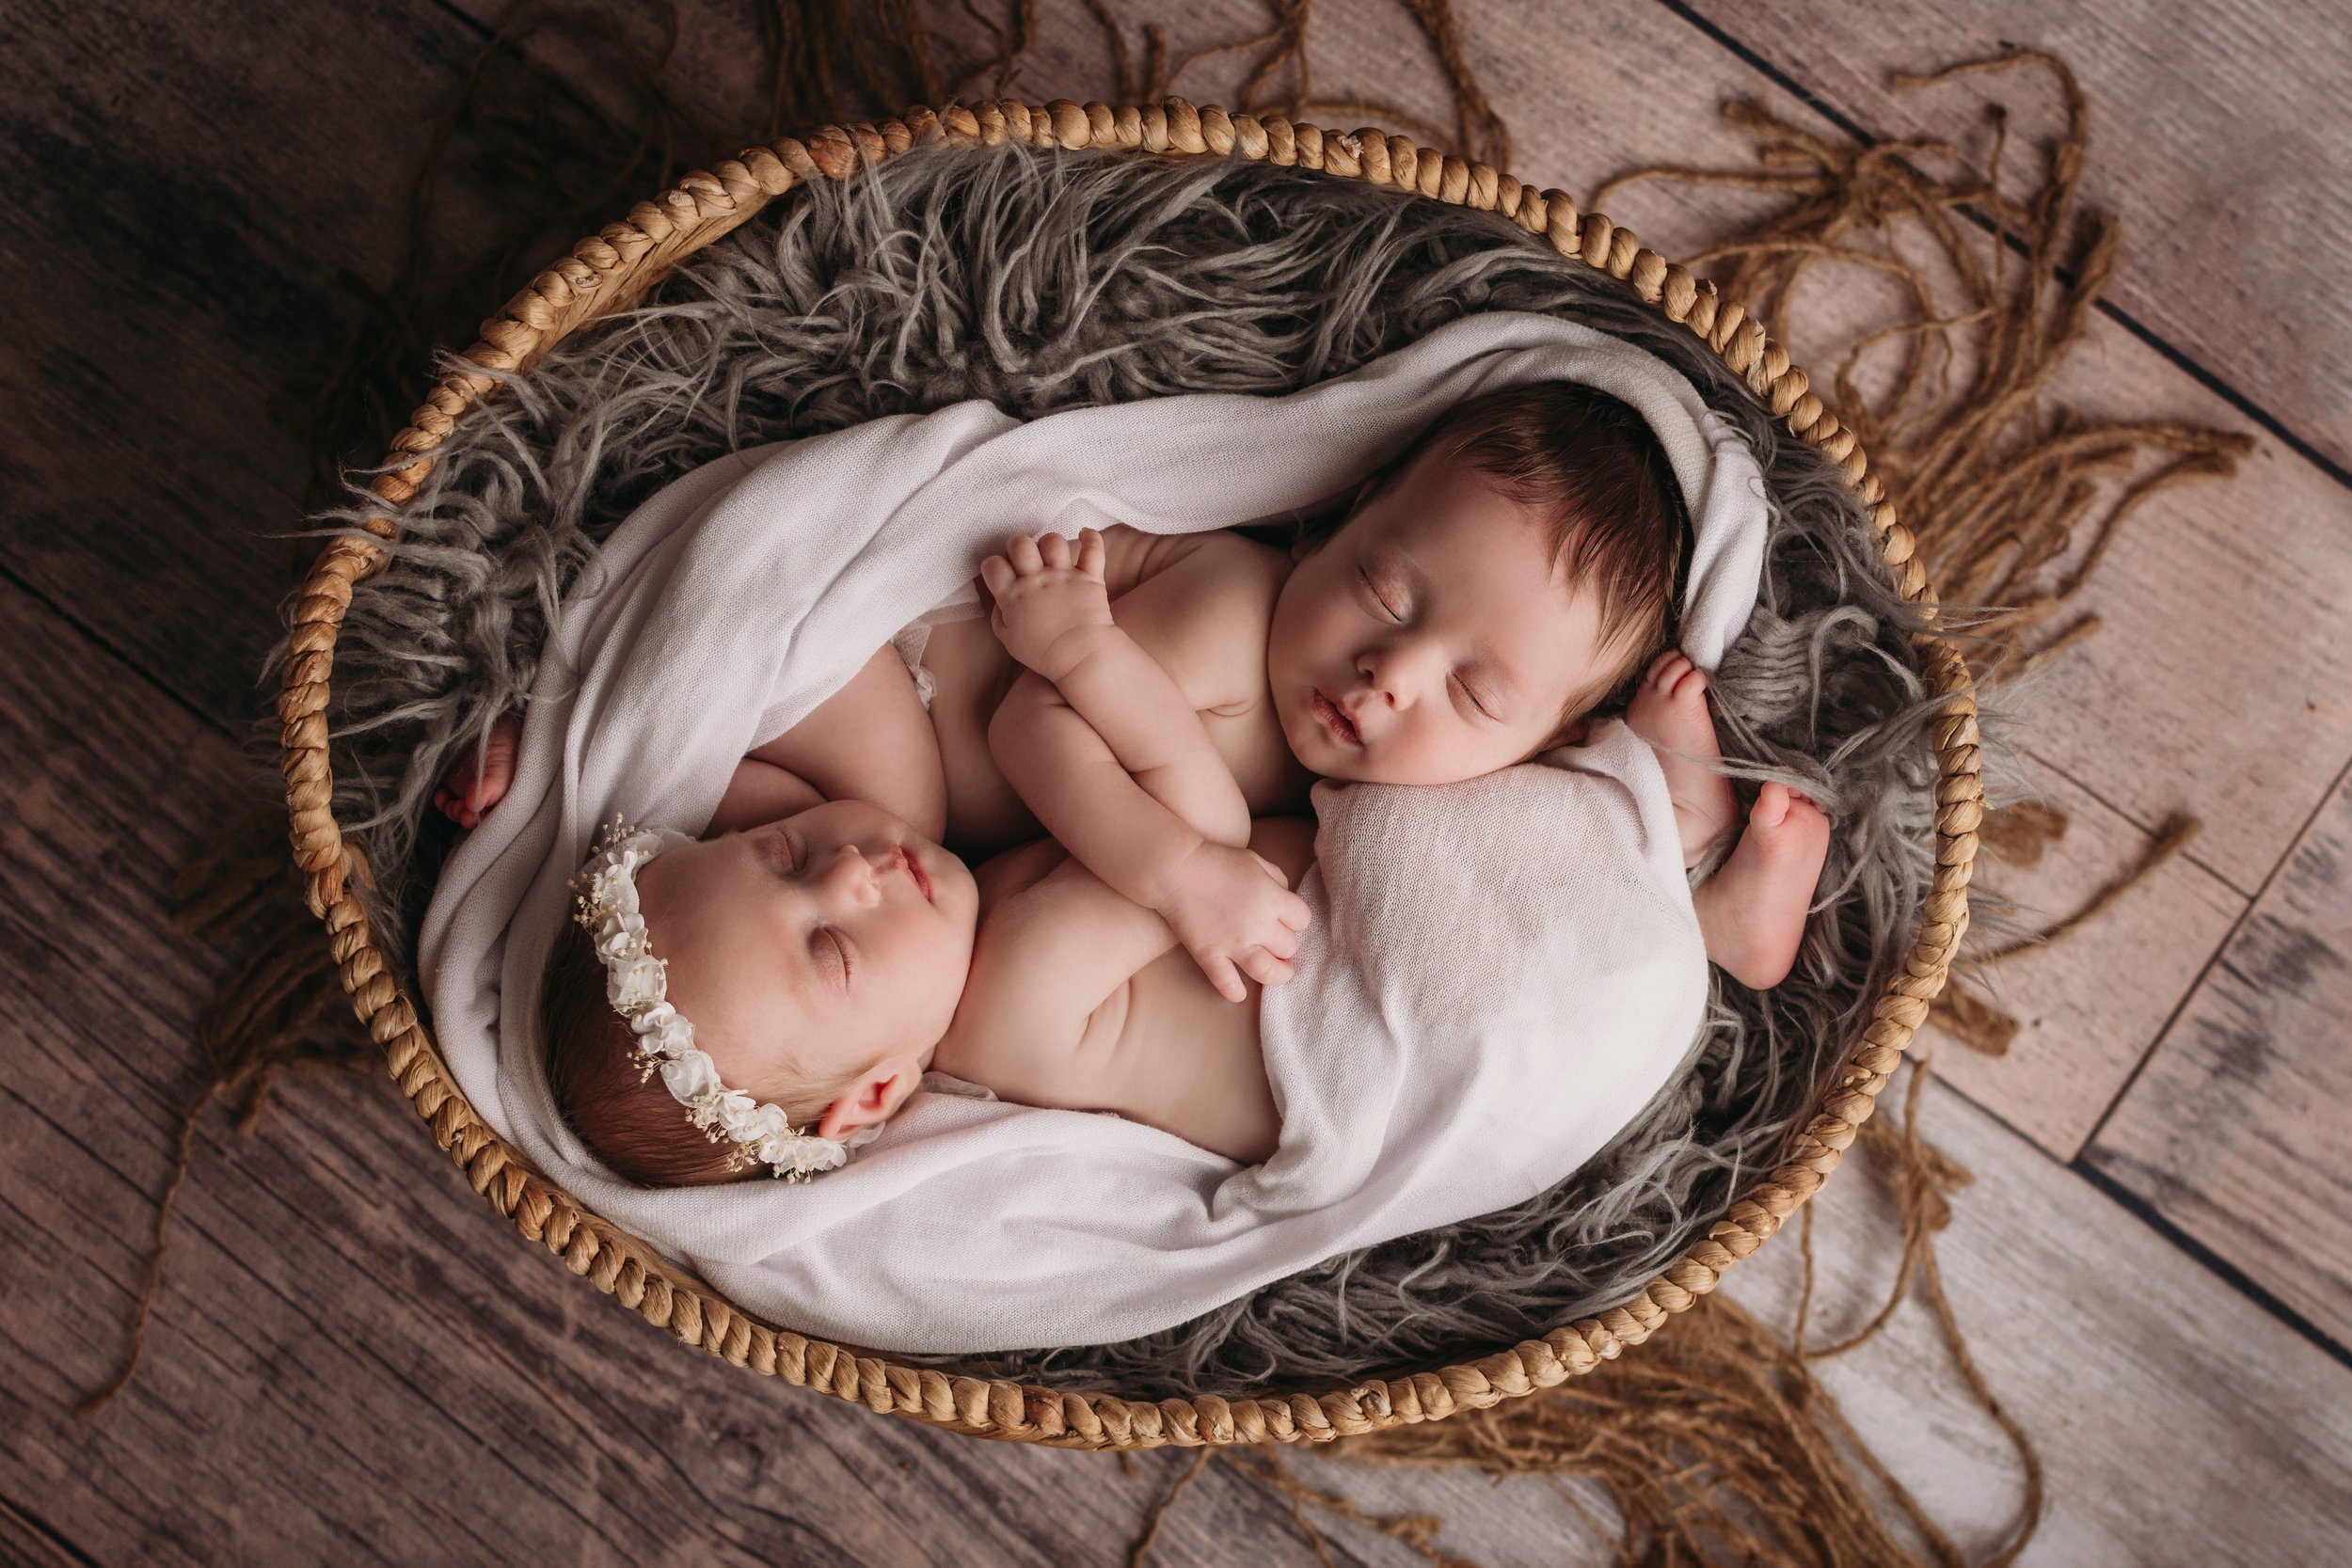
point(1501, 974)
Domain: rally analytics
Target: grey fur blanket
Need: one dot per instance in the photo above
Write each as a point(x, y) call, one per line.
point(1049, 281)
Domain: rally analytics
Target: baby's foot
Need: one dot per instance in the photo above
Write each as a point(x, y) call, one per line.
point(1669, 710)
point(1752, 911)
point(479, 780)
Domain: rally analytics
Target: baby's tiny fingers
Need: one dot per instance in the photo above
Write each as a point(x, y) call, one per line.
point(997, 573)
point(1022, 552)
point(1296, 914)
point(1054, 550)
point(1090, 552)
point(1270, 868)
point(1266, 968)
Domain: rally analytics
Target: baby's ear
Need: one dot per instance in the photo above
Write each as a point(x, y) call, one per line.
point(870, 1100)
point(1574, 733)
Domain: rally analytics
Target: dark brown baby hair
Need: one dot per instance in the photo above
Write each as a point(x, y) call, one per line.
point(635, 1126)
point(1610, 505)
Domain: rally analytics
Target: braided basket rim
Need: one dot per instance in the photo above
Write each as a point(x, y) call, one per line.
point(608, 271)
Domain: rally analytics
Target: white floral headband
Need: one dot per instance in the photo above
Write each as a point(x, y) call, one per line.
point(637, 983)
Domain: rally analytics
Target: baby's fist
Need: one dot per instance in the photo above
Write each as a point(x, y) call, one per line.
point(1052, 605)
point(1235, 913)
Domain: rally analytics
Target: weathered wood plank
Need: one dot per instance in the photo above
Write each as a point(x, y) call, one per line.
point(181, 187)
point(2087, 1007)
point(2237, 1130)
point(2178, 1422)
point(2217, 130)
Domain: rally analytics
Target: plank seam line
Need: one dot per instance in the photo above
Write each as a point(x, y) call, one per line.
point(9, 575)
point(2177, 357)
point(2190, 857)
point(2220, 1267)
point(2327, 798)
point(2110, 1188)
point(46, 1530)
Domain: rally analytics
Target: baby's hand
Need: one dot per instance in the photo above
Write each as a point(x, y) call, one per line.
point(1235, 914)
point(1051, 606)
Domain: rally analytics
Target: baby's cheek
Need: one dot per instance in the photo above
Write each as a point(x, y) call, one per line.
point(1452, 757)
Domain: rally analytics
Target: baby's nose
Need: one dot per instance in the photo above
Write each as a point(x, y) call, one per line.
point(1394, 672)
point(853, 874)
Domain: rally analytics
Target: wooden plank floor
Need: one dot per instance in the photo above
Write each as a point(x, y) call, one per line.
point(354, 1359)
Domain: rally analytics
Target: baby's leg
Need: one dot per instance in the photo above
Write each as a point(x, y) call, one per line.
point(480, 777)
point(1752, 910)
point(1670, 712)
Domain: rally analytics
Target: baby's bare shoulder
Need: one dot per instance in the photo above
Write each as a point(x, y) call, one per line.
point(1202, 605)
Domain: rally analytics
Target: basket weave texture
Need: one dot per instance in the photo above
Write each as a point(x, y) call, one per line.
point(605, 273)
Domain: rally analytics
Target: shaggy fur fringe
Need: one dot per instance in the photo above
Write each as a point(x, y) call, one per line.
point(1049, 282)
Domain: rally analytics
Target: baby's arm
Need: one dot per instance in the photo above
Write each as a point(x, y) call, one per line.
point(870, 740)
point(1054, 614)
point(1106, 747)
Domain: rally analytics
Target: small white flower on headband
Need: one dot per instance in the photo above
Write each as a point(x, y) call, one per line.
point(636, 983)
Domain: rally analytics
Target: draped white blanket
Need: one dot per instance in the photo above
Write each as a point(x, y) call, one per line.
point(1500, 974)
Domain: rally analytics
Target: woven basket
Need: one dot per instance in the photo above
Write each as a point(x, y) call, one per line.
point(610, 270)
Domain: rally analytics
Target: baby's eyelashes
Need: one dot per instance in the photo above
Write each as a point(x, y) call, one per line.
point(833, 954)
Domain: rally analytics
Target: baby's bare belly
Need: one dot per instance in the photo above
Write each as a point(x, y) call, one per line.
point(1197, 1067)
point(1198, 1063)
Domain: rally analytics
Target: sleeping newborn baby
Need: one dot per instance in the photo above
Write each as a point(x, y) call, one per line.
point(1505, 578)
point(789, 985)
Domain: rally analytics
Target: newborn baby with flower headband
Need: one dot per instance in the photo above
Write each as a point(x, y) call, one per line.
point(834, 953)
